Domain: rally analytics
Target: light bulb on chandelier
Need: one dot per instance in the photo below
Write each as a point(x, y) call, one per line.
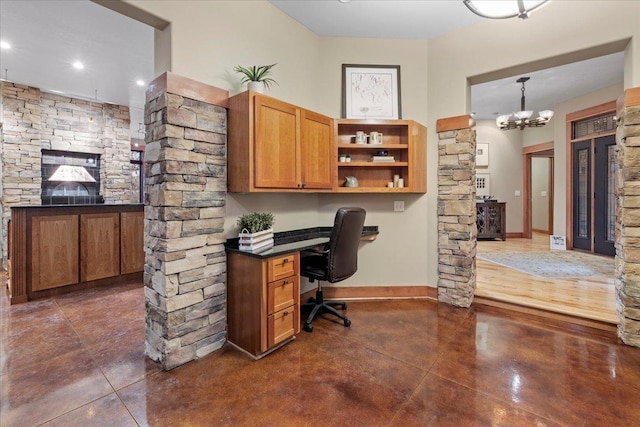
point(522, 119)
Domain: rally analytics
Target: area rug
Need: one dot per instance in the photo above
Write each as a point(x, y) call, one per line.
point(554, 263)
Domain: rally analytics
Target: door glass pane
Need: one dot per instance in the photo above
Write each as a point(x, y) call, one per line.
point(611, 192)
point(583, 196)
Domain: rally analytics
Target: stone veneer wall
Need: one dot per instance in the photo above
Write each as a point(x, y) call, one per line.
point(628, 219)
point(457, 230)
point(185, 270)
point(36, 120)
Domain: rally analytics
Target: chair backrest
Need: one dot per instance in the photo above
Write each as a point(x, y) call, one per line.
point(343, 243)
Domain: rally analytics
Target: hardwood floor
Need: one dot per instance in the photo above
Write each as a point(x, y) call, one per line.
point(591, 298)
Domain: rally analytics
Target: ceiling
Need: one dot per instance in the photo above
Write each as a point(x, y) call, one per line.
point(47, 37)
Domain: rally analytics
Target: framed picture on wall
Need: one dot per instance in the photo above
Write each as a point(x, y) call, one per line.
point(483, 184)
point(371, 92)
point(482, 155)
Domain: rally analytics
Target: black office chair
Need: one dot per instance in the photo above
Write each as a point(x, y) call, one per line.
point(338, 261)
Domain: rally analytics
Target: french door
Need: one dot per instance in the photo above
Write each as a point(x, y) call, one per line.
point(594, 202)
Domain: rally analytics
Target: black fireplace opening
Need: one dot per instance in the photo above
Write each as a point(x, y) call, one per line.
point(70, 178)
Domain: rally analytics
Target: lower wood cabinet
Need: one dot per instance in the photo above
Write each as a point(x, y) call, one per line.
point(55, 249)
point(263, 301)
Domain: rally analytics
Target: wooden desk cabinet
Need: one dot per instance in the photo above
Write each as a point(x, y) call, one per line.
point(263, 301)
point(491, 220)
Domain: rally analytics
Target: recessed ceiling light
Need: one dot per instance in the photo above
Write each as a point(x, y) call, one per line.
point(56, 91)
point(344, 1)
point(78, 65)
point(140, 82)
point(4, 45)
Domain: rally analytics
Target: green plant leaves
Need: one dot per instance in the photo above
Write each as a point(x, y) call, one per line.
point(256, 73)
point(256, 221)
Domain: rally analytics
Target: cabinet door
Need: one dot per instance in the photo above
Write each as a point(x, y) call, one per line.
point(131, 242)
point(317, 154)
point(100, 246)
point(276, 155)
point(54, 251)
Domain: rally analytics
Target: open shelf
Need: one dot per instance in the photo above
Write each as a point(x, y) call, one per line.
point(404, 140)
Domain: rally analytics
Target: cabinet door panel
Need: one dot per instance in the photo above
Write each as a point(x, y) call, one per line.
point(317, 153)
point(100, 246)
point(55, 251)
point(276, 135)
point(131, 242)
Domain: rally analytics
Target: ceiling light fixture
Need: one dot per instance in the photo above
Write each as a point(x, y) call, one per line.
point(78, 65)
point(4, 45)
point(140, 82)
point(522, 118)
point(502, 9)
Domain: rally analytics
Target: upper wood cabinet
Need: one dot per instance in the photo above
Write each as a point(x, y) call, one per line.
point(276, 146)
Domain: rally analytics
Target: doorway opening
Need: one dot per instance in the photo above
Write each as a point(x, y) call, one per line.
point(538, 166)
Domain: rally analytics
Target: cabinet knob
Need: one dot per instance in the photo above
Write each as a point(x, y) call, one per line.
point(284, 261)
point(286, 313)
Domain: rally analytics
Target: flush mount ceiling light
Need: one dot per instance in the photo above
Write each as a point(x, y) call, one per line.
point(140, 82)
point(78, 65)
point(503, 9)
point(522, 118)
point(4, 44)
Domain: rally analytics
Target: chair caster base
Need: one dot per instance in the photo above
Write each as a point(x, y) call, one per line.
point(307, 327)
point(347, 323)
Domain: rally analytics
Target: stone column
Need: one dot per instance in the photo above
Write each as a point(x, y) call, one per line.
point(185, 192)
point(21, 150)
point(628, 218)
point(457, 230)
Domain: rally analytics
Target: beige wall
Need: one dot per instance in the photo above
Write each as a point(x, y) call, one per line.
point(209, 38)
point(505, 168)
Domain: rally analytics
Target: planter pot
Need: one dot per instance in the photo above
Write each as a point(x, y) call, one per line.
point(256, 86)
point(255, 241)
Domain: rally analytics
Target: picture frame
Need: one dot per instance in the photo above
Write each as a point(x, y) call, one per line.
point(483, 184)
point(482, 155)
point(371, 92)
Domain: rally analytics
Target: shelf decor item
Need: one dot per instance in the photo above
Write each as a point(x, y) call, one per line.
point(256, 231)
point(256, 76)
point(371, 91)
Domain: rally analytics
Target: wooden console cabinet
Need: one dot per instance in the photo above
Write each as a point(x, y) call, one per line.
point(491, 220)
point(263, 301)
point(55, 249)
point(276, 146)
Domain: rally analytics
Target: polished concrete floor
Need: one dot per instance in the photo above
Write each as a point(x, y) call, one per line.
point(77, 360)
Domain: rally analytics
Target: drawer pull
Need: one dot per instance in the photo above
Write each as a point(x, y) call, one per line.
point(286, 282)
point(284, 261)
point(286, 313)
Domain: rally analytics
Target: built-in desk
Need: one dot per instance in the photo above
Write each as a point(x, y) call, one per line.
point(263, 289)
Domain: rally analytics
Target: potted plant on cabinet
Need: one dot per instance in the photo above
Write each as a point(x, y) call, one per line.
point(256, 76)
point(256, 231)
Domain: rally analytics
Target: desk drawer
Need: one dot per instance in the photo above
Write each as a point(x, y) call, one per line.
point(282, 267)
point(282, 325)
point(282, 293)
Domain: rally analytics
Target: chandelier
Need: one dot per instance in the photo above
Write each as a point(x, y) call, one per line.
point(503, 9)
point(522, 118)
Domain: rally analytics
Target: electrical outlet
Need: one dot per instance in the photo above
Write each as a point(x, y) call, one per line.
point(398, 206)
point(517, 193)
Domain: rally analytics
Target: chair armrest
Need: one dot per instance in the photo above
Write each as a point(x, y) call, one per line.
point(315, 251)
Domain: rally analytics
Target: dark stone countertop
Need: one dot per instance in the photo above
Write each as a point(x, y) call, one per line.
point(294, 241)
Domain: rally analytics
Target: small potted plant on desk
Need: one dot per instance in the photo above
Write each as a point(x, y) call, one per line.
point(256, 231)
point(256, 76)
